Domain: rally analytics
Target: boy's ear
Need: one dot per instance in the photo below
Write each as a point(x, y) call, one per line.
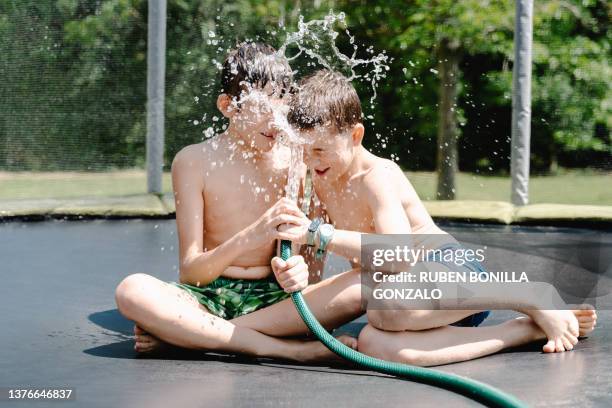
point(357, 134)
point(224, 104)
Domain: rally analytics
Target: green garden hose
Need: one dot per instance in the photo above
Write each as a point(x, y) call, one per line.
point(475, 390)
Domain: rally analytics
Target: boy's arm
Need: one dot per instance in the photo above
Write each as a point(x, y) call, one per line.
point(313, 210)
point(197, 267)
point(388, 213)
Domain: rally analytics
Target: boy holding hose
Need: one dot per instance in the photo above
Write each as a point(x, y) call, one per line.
point(228, 194)
point(363, 193)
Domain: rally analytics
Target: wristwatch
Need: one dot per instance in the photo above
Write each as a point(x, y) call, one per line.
point(326, 233)
point(312, 231)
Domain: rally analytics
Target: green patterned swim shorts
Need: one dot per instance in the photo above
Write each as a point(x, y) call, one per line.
point(228, 298)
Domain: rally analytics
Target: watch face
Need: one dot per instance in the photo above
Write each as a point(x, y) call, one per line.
point(314, 225)
point(326, 229)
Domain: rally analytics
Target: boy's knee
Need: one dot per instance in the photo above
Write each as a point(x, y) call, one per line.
point(129, 292)
point(372, 342)
point(413, 357)
point(367, 342)
point(384, 319)
point(397, 320)
point(358, 306)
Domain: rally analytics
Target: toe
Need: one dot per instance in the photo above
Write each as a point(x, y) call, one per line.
point(559, 346)
point(585, 331)
point(143, 339)
point(349, 341)
point(142, 347)
point(574, 329)
point(567, 344)
point(549, 347)
point(572, 339)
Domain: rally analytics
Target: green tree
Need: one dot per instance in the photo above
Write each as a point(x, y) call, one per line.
point(436, 35)
point(74, 74)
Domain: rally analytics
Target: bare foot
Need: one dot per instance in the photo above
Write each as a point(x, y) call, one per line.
point(146, 343)
point(528, 330)
point(560, 326)
point(587, 319)
point(315, 351)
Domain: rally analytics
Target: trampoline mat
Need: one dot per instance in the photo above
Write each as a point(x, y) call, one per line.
point(60, 328)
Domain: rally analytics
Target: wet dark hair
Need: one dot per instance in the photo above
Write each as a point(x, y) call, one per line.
point(255, 64)
point(325, 98)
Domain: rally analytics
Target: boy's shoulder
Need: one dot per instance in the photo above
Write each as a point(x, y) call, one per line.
point(381, 171)
point(194, 159)
point(386, 179)
point(189, 152)
point(197, 154)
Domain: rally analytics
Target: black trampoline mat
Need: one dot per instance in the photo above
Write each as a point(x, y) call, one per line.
point(60, 328)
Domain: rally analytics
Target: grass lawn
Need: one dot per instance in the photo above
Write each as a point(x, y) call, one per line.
point(568, 187)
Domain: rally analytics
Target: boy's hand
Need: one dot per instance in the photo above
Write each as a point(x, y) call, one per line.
point(298, 234)
point(292, 274)
point(266, 229)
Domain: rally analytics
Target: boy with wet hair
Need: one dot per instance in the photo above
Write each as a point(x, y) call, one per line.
point(229, 204)
point(363, 193)
point(255, 65)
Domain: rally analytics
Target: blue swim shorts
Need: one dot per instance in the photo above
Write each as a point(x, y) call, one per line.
point(472, 266)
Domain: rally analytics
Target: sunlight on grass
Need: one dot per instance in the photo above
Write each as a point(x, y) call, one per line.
point(569, 187)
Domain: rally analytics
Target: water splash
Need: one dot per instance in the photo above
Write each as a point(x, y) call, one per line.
point(289, 150)
point(290, 138)
point(316, 40)
point(313, 37)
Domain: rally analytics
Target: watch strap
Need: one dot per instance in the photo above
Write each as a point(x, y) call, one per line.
point(312, 231)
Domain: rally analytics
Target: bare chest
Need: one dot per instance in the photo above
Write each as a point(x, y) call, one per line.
point(237, 196)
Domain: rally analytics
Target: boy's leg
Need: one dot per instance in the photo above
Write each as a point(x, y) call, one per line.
point(333, 301)
point(531, 298)
point(399, 315)
point(449, 344)
point(415, 320)
point(175, 317)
